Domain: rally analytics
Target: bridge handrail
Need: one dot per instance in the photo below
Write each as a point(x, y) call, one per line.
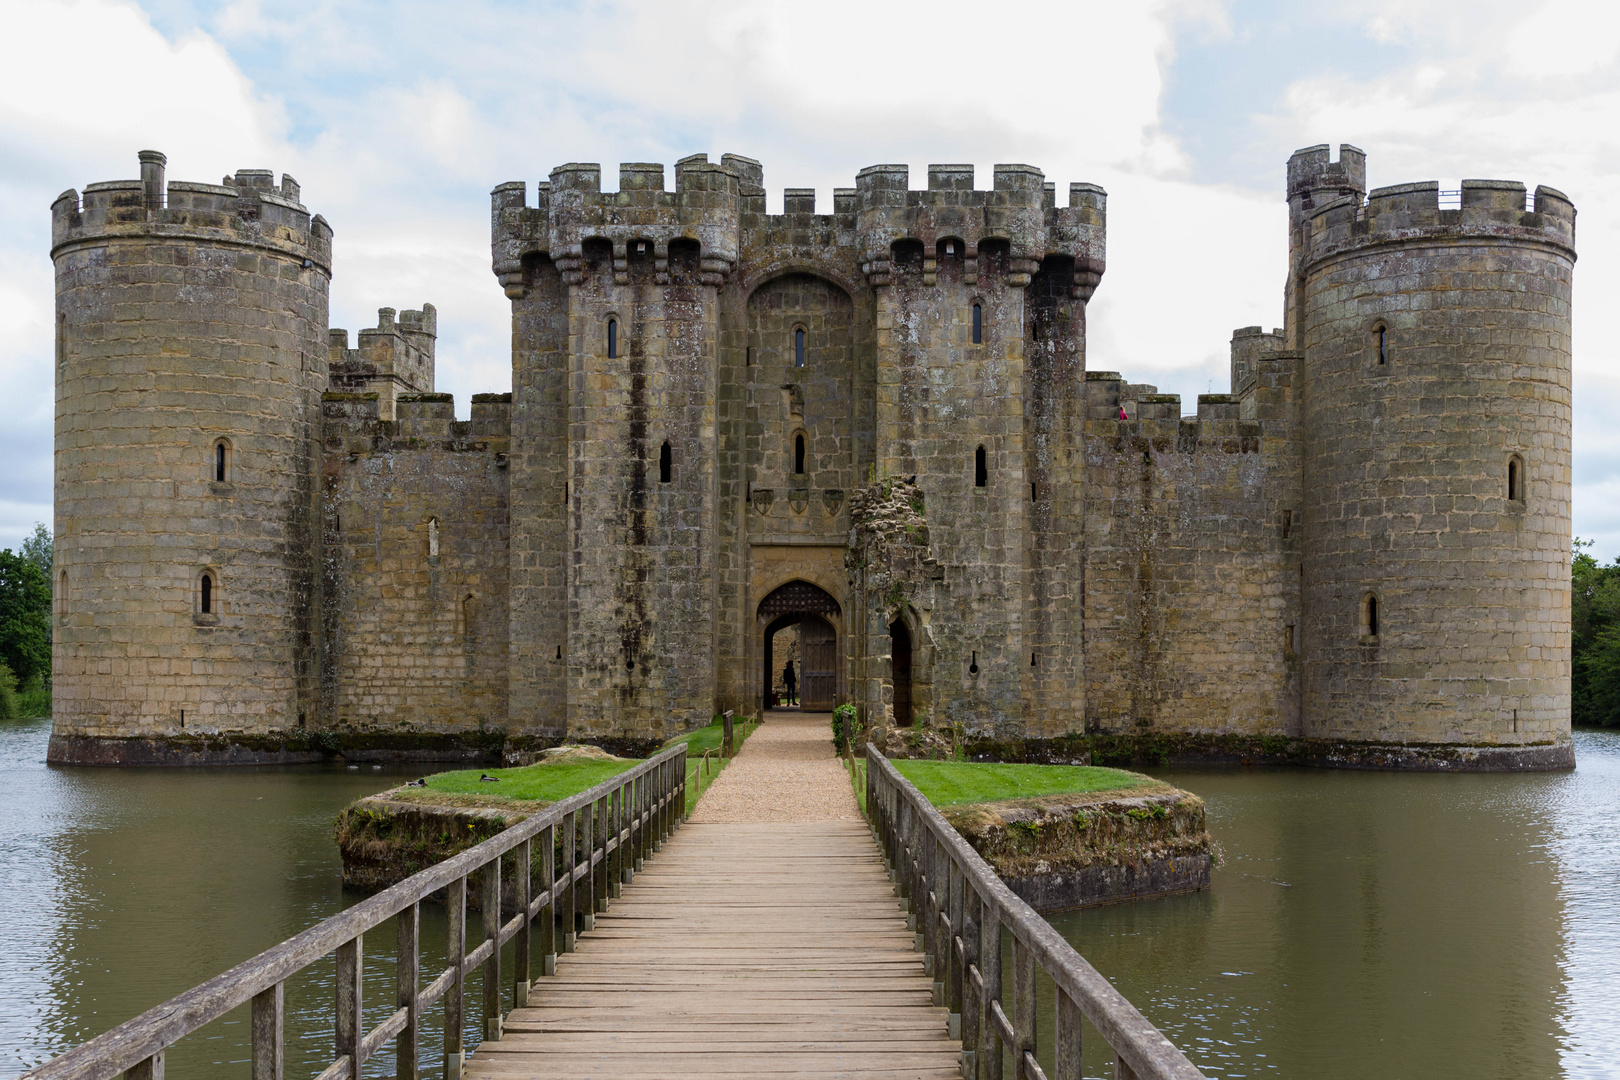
point(961, 906)
point(609, 829)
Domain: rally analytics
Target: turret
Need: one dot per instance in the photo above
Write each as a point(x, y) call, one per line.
point(1314, 180)
point(191, 353)
point(1436, 464)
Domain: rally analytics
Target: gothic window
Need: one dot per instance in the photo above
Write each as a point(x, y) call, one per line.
point(666, 464)
point(1381, 344)
point(798, 453)
point(62, 595)
point(613, 339)
point(798, 347)
point(1515, 478)
point(981, 469)
point(433, 538)
point(978, 324)
point(205, 594)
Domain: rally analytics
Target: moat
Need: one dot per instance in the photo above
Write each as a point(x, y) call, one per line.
point(1361, 924)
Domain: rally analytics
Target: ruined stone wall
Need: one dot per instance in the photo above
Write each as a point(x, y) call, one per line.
point(189, 317)
point(415, 514)
point(1437, 358)
point(1192, 557)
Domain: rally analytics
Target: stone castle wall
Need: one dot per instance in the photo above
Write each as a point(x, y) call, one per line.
point(1437, 353)
point(1192, 557)
point(415, 606)
point(589, 557)
point(191, 321)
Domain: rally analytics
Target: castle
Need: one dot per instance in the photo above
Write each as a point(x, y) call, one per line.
point(876, 425)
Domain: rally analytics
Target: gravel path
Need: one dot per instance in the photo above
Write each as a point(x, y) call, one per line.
point(786, 771)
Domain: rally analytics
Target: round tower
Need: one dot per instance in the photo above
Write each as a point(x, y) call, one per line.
point(191, 352)
point(1436, 429)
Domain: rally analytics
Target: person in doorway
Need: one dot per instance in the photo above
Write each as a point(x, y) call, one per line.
point(791, 682)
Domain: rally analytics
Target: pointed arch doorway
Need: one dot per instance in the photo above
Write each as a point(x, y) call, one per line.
point(817, 615)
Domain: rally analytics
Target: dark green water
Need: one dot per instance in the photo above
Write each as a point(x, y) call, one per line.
point(1387, 925)
point(1361, 925)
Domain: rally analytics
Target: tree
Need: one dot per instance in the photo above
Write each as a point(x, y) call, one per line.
point(25, 617)
point(39, 549)
point(1594, 640)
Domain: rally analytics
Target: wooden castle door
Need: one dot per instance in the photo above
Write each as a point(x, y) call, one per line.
point(818, 646)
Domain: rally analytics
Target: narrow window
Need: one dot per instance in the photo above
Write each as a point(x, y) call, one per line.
point(1369, 616)
point(798, 454)
point(219, 463)
point(978, 324)
point(433, 537)
point(798, 348)
point(613, 339)
point(1032, 495)
point(981, 471)
point(1288, 640)
point(665, 464)
point(208, 594)
point(1515, 479)
point(1383, 344)
point(750, 356)
point(1288, 523)
point(62, 595)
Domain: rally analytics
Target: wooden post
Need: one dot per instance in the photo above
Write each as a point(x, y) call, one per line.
point(523, 877)
point(589, 816)
point(455, 999)
point(726, 750)
point(408, 927)
point(599, 870)
point(616, 816)
point(990, 965)
point(1068, 1038)
point(492, 933)
point(269, 1012)
point(1023, 1014)
point(567, 910)
point(150, 1069)
point(953, 966)
point(1123, 1071)
point(350, 961)
point(548, 912)
point(972, 998)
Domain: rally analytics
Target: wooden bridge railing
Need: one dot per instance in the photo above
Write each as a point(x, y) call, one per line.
point(601, 836)
point(961, 909)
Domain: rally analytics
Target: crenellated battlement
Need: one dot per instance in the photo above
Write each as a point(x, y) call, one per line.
point(249, 208)
point(393, 358)
point(722, 207)
point(354, 423)
point(1497, 209)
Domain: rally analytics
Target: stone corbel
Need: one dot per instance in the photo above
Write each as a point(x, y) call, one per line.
point(1020, 269)
point(970, 263)
point(621, 263)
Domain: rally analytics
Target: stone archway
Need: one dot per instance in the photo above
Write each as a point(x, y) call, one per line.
point(817, 614)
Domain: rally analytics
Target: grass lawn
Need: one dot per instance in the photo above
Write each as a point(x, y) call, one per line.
point(546, 781)
point(957, 783)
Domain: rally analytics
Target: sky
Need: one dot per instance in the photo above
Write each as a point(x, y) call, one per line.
point(398, 118)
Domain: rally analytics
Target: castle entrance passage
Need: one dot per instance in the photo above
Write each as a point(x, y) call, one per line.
point(815, 612)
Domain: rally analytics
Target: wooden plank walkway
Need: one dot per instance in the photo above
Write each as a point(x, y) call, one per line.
point(742, 949)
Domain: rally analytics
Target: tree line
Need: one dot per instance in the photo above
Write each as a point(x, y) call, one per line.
point(25, 627)
point(1595, 640)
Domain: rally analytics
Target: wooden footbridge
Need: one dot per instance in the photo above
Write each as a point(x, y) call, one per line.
point(649, 948)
